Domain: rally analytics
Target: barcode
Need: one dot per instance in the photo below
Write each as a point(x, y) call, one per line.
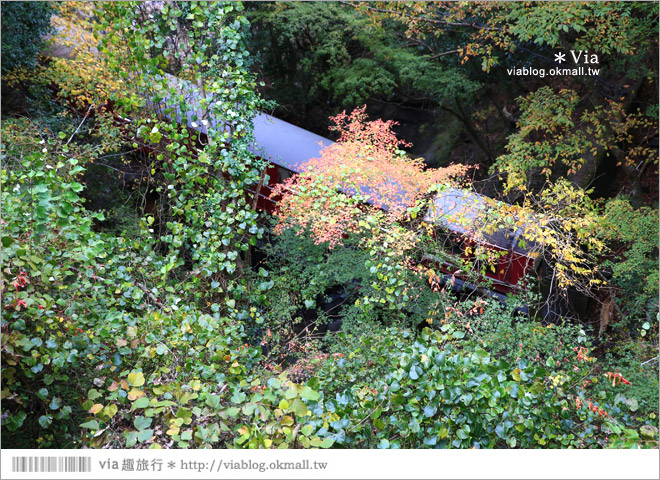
point(51, 464)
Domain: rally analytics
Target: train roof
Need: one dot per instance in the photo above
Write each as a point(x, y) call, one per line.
point(462, 211)
point(300, 145)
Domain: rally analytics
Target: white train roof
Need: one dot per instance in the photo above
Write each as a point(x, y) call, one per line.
point(467, 212)
point(285, 144)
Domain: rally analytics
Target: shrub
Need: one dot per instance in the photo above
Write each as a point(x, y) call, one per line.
point(443, 392)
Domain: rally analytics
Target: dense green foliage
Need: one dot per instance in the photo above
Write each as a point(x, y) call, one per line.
point(332, 52)
point(635, 272)
point(24, 24)
point(144, 275)
point(443, 392)
point(147, 304)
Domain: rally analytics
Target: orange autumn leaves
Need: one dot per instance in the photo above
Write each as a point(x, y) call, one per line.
point(615, 377)
point(362, 181)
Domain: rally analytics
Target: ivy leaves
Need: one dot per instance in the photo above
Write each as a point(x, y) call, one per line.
point(136, 379)
point(444, 392)
point(208, 216)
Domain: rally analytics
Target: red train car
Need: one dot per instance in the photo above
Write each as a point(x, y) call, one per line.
point(288, 147)
point(457, 215)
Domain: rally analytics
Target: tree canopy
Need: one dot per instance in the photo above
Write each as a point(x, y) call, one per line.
point(24, 26)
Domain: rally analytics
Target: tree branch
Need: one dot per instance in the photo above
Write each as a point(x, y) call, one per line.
point(81, 123)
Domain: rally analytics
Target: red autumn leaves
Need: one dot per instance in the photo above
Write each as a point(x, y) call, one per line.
point(615, 377)
point(594, 408)
point(20, 282)
point(361, 174)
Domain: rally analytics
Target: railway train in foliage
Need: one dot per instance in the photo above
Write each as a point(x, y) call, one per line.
point(288, 148)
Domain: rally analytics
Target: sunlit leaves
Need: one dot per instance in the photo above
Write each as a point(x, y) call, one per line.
point(494, 27)
point(555, 136)
point(343, 190)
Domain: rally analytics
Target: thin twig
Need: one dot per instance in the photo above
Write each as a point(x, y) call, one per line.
point(371, 413)
point(81, 123)
point(655, 358)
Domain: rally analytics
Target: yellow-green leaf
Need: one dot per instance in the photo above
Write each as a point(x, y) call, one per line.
point(136, 379)
point(142, 402)
point(110, 410)
point(298, 407)
point(327, 442)
point(135, 393)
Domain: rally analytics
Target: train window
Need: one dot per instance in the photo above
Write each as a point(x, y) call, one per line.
point(449, 242)
point(283, 174)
